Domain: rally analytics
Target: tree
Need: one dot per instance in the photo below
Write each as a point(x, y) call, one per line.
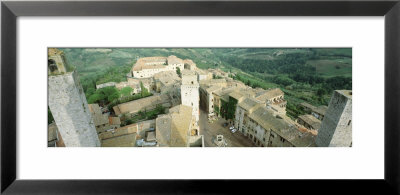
point(90, 91)
point(113, 96)
point(107, 91)
point(126, 91)
point(178, 71)
point(321, 92)
point(49, 116)
point(95, 98)
point(160, 109)
point(143, 91)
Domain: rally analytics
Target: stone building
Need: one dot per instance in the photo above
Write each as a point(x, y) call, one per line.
point(102, 121)
point(177, 128)
point(266, 128)
point(190, 92)
point(126, 136)
point(147, 103)
point(243, 110)
point(166, 81)
point(336, 128)
point(68, 104)
point(317, 112)
point(148, 66)
point(54, 138)
point(309, 122)
point(56, 62)
point(189, 65)
point(109, 84)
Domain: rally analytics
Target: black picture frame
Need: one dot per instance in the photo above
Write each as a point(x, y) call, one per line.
point(10, 10)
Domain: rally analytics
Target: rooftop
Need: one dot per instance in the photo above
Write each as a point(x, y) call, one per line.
point(269, 94)
point(281, 126)
point(320, 109)
point(98, 117)
point(137, 105)
point(127, 140)
point(346, 93)
point(249, 103)
point(173, 129)
point(149, 63)
point(174, 60)
point(311, 120)
point(114, 120)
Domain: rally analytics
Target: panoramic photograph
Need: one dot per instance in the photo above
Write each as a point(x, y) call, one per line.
point(199, 97)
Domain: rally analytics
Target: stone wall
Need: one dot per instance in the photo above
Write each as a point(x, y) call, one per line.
point(336, 128)
point(70, 110)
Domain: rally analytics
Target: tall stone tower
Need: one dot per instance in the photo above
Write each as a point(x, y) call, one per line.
point(336, 128)
point(68, 103)
point(190, 92)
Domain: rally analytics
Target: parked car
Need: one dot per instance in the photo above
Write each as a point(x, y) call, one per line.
point(232, 127)
point(233, 130)
point(225, 124)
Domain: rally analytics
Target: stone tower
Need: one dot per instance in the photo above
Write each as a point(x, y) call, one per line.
point(68, 103)
point(336, 128)
point(190, 92)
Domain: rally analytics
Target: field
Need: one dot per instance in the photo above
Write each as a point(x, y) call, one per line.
point(332, 67)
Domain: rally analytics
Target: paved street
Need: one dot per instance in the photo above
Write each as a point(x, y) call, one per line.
point(211, 130)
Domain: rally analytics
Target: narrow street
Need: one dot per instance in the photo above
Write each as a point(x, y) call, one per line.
point(211, 130)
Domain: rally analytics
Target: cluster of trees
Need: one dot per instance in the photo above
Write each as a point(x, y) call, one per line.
point(102, 95)
point(145, 115)
point(144, 92)
point(247, 81)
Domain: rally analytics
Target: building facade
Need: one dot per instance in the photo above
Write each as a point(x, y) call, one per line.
point(69, 107)
point(336, 127)
point(190, 92)
point(148, 66)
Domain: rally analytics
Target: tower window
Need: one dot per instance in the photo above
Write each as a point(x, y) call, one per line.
point(349, 123)
point(52, 65)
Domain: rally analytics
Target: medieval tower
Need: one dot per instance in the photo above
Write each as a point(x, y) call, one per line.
point(190, 92)
point(336, 128)
point(68, 103)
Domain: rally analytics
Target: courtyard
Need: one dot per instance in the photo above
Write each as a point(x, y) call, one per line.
point(211, 130)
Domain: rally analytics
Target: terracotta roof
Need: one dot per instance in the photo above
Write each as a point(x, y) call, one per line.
point(237, 95)
point(98, 117)
point(269, 94)
point(149, 63)
point(128, 140)
point(282, 127)
point(137, 105)
point(174, 60)
point(213, 88)
point(249, 103)
point(114, 120)
point(311, 120)
point(189, 62)
point(173, 129)
point(320, 109)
